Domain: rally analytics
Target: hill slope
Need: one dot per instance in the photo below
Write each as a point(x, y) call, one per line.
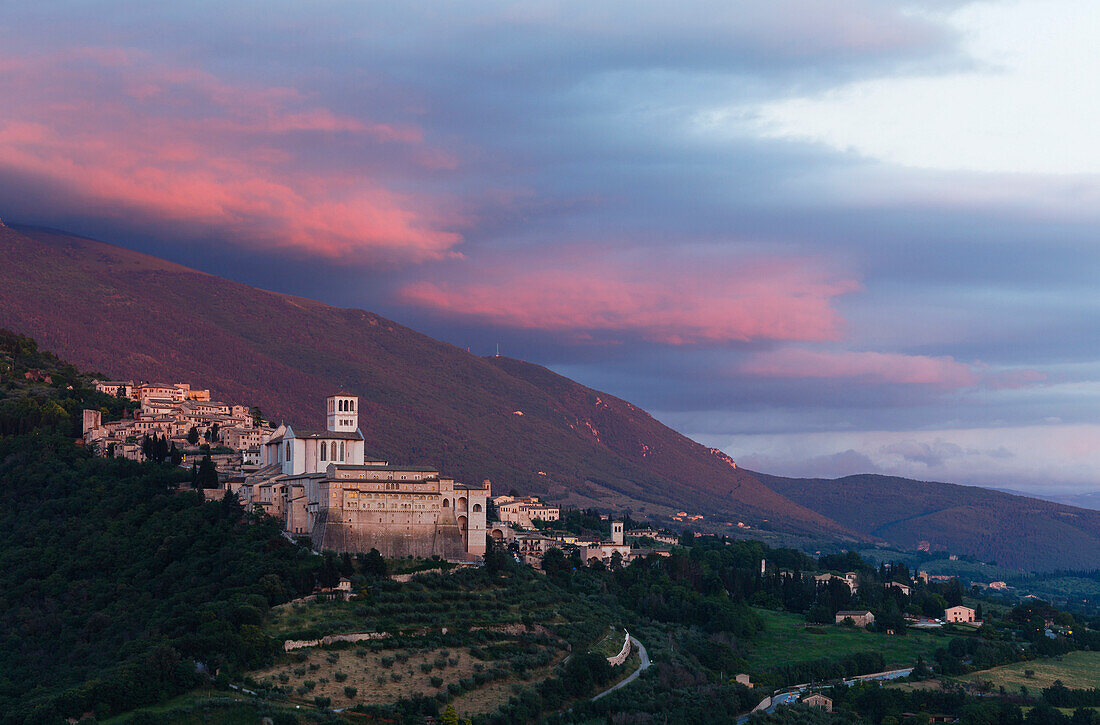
point(128, 315)
point(1014, 531)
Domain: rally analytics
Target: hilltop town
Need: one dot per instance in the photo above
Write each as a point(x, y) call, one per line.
point(321, 484)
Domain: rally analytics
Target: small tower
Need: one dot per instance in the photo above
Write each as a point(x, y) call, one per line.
point(617, 533)
point(343, 413)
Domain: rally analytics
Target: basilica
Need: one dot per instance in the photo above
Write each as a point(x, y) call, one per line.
point(322, 485)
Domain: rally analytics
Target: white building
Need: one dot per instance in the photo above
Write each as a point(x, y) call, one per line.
point(311, 451)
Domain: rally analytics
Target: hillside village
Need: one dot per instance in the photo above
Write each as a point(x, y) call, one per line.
point(320, 483)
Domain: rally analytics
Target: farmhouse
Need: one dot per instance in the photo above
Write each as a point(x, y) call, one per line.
point(818, 700)
point(860, 617)
point(959, 614)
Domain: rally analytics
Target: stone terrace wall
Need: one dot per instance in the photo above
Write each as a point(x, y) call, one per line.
point(623, 653)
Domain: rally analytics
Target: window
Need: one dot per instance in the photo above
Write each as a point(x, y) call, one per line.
point(341, 451)
point(324, 451)
point(477, 507)
point(289, 451)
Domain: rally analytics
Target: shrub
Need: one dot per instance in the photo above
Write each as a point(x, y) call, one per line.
point(350, 692)
point(284, 677)
point(340, 676)
point(396, 676)
point(387, 662)
point(313, 666)
point(299, 671)
point(323, 702)
point(309, 684)
point(426, 667)
point(436, 681)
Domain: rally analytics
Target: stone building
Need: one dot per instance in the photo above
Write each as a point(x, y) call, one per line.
point(860, 617)
point(330, 491)
point(523, 511)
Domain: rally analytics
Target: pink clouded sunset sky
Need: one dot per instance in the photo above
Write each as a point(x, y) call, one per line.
point(792, 230)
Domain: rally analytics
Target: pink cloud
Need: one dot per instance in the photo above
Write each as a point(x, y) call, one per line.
point(883, 367)
point(116, 135)
point(880, 367)
point(586, 294)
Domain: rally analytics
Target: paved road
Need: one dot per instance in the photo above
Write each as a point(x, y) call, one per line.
point(792, 696)
point(633, 675)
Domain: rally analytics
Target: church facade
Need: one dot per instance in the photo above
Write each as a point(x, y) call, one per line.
point(324, 486)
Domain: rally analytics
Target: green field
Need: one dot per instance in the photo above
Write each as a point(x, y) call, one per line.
point(788, 639)
point(1076, 670)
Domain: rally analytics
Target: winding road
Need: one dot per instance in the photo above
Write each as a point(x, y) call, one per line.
point(633, 675)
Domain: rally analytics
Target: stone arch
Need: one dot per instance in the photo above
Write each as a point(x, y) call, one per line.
point(446, 504)
point(461, 503)
point(497, 534)
point(477, 508)
point(462, 526)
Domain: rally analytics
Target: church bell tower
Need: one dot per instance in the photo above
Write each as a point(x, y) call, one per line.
point(343, 413)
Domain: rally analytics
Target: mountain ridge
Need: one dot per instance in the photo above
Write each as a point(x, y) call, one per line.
point(130, 314)
point(983, 522)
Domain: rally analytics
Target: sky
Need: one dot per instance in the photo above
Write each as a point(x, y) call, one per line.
point(828, 237)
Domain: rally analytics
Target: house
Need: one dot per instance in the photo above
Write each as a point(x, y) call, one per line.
point(903, 588)
point(959, 614)
point(524, 511)
point(818, 700)
point(860, 617)
point(743, 679)
point(851, 579)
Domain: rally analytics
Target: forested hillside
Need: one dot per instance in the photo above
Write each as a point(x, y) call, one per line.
point(113, 585)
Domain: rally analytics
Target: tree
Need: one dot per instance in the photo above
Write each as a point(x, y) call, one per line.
point(372, 564)
point(450, 716)
point(207, 474)
point(193, 436)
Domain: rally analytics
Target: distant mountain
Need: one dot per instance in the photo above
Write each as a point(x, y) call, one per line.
point(1014, 531)
point(128, 314)
point(1089, 500)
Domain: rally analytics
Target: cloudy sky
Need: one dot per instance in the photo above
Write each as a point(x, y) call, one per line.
point(826, 236)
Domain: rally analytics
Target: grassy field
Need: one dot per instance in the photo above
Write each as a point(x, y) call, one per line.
point(1076, 670)
point(788, 639)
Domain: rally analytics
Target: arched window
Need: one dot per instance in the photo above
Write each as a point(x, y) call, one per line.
point(341, 451)
point(477, 507)
point(324, 451)
point(446, 504)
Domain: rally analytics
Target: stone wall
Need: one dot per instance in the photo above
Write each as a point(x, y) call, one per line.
point(623, 653)
point(293, 644)
point(393, 540)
